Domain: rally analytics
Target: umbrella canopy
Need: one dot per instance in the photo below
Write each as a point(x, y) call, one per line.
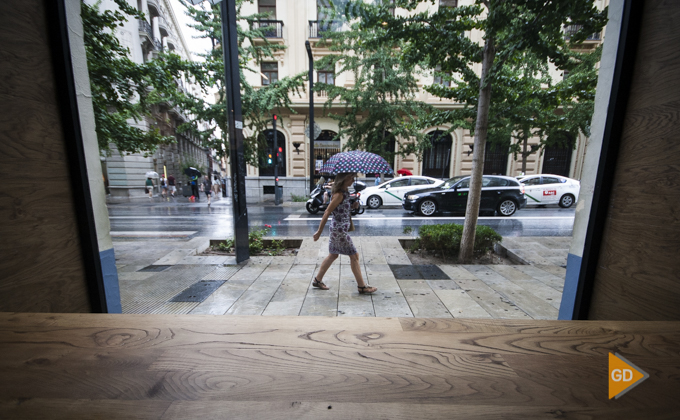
point(152, 174)
point(405, 172)
point(356, 161)
point(192, 172)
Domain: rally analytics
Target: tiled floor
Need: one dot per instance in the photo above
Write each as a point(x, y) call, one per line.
point(272, 286)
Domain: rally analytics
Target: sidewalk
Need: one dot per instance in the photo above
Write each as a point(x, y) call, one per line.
point(152, 273)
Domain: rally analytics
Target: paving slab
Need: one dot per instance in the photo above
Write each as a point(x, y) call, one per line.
point(543, 276)
point(423, 301)
point(219, 302)
point(460, 304)
point(174, 257)
point(534, 306)
point(536, 287)
point(496, 305)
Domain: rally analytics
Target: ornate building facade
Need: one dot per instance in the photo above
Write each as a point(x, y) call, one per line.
point(298, 21)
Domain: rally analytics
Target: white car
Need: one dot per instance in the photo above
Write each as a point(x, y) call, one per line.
point(392, 192)
point(550, 189)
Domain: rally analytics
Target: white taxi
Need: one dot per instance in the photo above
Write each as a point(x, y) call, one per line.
point(392, 192)
point(550, 189)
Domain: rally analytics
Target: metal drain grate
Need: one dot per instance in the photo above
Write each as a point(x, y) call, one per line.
point(155, 268)
point(198, 292)
point(404, 272)
point(418, 272)
point(431, 272)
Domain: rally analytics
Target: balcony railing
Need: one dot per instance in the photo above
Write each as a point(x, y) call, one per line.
point(317, 28)
point(145, 28)
point(571, 30)
point(270, 28)
point(158, 45)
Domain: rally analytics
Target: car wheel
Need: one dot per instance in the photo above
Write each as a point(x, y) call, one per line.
point(374, 202)
point(313, 209)
point(427, 207)
point(507, 208)
point(566, 201)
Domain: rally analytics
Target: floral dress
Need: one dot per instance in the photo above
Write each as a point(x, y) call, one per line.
point(340, 242)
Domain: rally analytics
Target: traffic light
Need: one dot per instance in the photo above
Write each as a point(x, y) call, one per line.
point(269, 161)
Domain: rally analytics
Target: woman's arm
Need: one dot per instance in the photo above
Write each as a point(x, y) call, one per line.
point(335, 202)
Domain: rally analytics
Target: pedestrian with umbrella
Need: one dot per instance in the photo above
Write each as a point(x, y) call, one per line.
point(149, 182)
point(345, 165)
point(193, 174)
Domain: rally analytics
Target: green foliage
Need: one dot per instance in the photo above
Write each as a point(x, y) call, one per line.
point(257, 103)
point(298, 198)
point(277, 247)
point(189, 162)
point(122, 89)
point(380, 107)
point(446, 238)
point(407, 229)
point(226, 245)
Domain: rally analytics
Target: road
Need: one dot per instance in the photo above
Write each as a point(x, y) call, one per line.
point(141, 218)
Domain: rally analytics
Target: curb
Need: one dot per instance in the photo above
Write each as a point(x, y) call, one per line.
point(504, 252)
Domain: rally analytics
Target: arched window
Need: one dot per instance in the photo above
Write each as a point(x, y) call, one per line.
point(437, 159)
point(495, 159)
point(267, 167)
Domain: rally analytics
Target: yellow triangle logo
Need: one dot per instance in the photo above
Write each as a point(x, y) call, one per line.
point(623, 376)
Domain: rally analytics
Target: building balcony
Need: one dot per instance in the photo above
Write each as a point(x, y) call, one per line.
point(154, 8)
point(145, 29)
point(571, 30)
point(269, 28)
point(163, 26)
point(317, 29)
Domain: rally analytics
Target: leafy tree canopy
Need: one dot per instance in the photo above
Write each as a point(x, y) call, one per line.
point(381, 105)
point(258, 104)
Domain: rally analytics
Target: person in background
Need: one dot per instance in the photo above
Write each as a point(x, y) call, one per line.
point(378, 181)
point(340, 242)
point(164, 187)
point(171, 185)
point(194, 187)
point(149, 187)
point(207, 187)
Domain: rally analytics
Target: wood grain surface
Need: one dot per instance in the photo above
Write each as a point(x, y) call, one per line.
point(637, 276)
point(41, 268)
point(76, 366)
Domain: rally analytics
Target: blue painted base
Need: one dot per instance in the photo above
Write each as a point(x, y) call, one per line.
point(111, 287)
point(570, 287)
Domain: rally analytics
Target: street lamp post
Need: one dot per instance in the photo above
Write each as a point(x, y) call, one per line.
point(312, 162)
point(235, 121)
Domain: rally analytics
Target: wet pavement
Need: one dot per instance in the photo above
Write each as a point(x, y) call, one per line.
point(158, 262)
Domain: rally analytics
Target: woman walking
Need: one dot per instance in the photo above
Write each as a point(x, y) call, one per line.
point(340, 242)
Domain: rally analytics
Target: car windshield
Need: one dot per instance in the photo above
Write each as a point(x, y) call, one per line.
point(452, 181)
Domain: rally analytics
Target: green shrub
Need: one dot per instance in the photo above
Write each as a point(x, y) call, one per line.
point(255, 244)
point(486, 238)
point(226, 245)
point(408, 229)
point(298, 198)
point(446, 238)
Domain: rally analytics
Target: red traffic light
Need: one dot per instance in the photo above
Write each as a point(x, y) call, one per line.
point(280, 149)
point(275, 116)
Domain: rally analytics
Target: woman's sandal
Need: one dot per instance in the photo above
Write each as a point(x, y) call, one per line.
point(367, 290)
point(319, 284)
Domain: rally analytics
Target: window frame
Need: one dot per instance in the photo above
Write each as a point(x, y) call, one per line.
point(267, 73)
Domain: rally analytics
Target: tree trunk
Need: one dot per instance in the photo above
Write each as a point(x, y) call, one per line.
point(524, 154)
point(467, 242)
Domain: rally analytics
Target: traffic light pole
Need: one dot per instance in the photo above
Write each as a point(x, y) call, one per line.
point(235, 122)
point(312, 162)
point(277, 197)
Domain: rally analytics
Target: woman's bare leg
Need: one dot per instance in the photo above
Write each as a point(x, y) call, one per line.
point(356, 270)
point(325, 265)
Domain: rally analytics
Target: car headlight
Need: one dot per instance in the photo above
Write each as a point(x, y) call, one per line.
point(412, 197)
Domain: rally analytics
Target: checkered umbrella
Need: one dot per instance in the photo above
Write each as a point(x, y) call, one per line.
point(356, 161)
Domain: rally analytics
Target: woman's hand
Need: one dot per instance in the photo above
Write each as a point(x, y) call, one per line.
point(316, 236)
point(355, 205)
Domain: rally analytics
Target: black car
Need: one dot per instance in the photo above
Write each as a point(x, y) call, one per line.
point(500, 194)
